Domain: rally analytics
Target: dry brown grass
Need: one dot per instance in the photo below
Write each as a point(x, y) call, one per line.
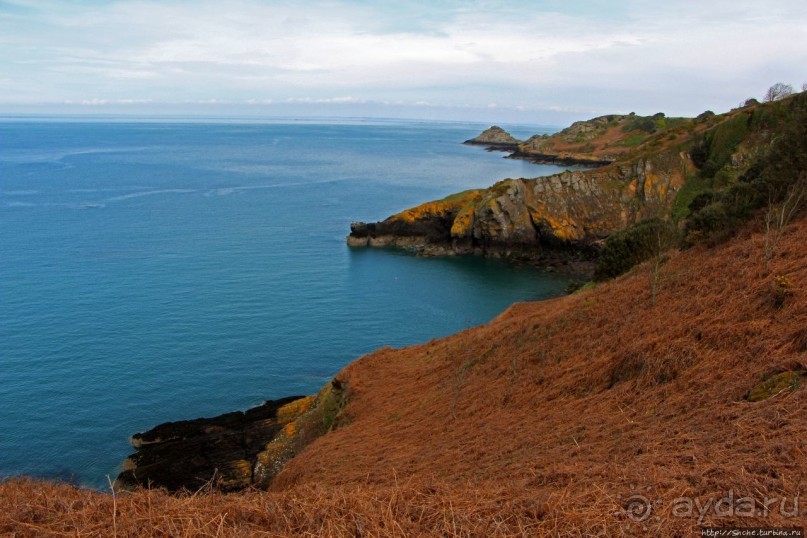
point(543, 422)
point(413, 508)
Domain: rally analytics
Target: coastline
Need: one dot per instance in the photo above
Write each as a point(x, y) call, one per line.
point(247, 449)
point(575, 261)
point(193, 315)
point(676, 381)
point(545, 158)
point(493, 146)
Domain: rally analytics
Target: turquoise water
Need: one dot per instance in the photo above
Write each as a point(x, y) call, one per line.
point(154, 271)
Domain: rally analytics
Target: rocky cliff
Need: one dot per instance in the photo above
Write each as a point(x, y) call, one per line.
point(533, 218)
point(644, 164)
point(231, 451)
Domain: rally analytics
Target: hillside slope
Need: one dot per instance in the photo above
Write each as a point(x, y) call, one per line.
point(602, 140)
point(557, 418)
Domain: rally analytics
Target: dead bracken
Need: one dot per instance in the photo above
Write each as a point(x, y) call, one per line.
point(421, 452)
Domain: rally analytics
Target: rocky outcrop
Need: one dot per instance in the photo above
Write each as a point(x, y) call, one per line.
point(559, 159)
point(534, 218)
point(572, 212)
point(495, 138)
point(231, 451)
point(427, 227)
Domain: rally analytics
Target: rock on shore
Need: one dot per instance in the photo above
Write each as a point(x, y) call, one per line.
point(234, 450)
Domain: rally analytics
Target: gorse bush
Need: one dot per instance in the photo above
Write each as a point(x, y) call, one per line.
point(714, 149)
point(640, 242)
point(767, 181)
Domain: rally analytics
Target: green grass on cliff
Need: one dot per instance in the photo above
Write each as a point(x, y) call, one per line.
point(694, 186)
point(768, 180)
point(747, 160)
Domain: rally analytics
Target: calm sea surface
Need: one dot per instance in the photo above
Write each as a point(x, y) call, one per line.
point(158, 270)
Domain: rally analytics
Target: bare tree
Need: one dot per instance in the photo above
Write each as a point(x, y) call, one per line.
point(664, 239)
point(804, 87)
point(778, 91)
point(779, 214)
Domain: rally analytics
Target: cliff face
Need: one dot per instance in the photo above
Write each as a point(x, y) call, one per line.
point(571, 207)
point(575, 210)
point(428, 225)
point(524, 217)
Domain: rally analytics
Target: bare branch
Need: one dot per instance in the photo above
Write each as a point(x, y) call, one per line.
point(779, 215)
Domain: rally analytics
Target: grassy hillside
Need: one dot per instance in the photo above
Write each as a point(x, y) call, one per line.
point(604, 139)
point(550, 420)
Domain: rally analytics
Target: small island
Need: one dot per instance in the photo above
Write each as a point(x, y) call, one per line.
point(495, 139)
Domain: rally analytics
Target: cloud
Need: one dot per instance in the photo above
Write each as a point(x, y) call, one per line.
point(95, 101)
point(326, 100)
point(583, 56)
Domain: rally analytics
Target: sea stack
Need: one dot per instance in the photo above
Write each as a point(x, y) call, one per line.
point(495, 138)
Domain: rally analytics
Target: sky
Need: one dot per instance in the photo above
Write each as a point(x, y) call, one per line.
point(547, 61)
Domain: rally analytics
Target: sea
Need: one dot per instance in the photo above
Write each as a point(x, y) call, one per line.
point(159, 269)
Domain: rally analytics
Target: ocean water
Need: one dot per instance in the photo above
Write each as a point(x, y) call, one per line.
point(165, 270)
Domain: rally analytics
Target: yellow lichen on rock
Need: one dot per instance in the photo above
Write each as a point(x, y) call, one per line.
point(463, 222)
point(236, 475)
point(289, 429)
point(294, 409)
point(563, 227)
point(444, 208)
point(315, 415)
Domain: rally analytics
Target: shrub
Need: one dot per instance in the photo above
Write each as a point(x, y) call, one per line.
point(634, 245)
point(782, 288)
point(767, 181)
point(709, 168)
point(702, 200)
point(699, 152)
point(646, 124)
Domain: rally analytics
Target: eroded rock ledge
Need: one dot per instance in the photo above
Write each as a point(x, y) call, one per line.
point(558, 160)
point(234, 450)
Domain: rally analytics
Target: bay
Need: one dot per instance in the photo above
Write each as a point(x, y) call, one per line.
point(165, 269)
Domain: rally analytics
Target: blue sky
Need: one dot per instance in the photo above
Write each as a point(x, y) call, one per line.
point(541, 61)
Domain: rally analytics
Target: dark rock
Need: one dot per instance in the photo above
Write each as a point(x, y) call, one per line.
point(219, 450)
point(234, 450)
point(558, 160)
